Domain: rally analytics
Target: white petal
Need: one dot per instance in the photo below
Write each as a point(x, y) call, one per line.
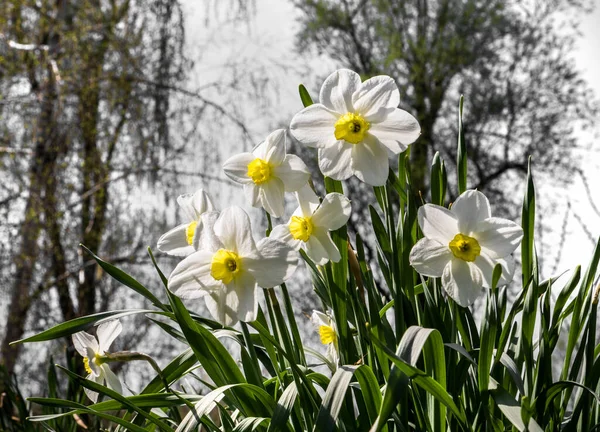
point(202, 203)
point(335, 160)
point(235, 231)
point(487, 264)
point(337, 90)
point(397, 131)
point(271, 197)
point(471, 207)
point(498, 237)
point(112, 381)
point(191, 278)
point(91, 355)
point(225, 306)
point(247, 303)
point(331, 250)
point(107, 332)
point(273, 148)
point(308, 200)
point(333, 212)
point(82, 341)
point(282, 233)
point(314, 126)
point(185, 201)
point(437, 223)
point(93, 396)
point(316, 251)
point(462, 281)
point(429, 257)
point(320, 319)
point(376, 98)
point(293, 172)
point(236, 167)
point(370, 162)
point(274, 263)
point(252, 193)
point(205, 238)
point(174, 242)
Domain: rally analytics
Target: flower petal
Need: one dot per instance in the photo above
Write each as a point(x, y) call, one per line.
point(195, 204)
point(486, 264)
point(293, 173)
point(429, 257)
point(106, 333)
point(112, 381)
point(252, 193)
point(335, 160)
point(272, 149)
point(282, 233)
point(397, 130)
point(331, 251)
point(191, 278)
point(234, 230)
point(314, 126)
point(333, 212)
point(498, 237)
point(462, 281)
point(471, 207)
point(247, 303)
point(93, 396)
point(205, 238)
point(227, 307)
point(337, 90)
point(370, 162)
point(174, 242)
point(437, 223)
point(274, 263)
point(82, 341)
point(308, 200)
point(316, 251)
point(236, 167)
point(271, 197)
point(376, 98)
point(319, 319)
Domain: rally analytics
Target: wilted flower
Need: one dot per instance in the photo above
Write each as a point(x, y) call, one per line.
point(328, 334)
point(464, 244)
point(93, 350)
point(354, 125)
point(310, 224)
point(180, 240)
point(268, 172)
point(228, 265)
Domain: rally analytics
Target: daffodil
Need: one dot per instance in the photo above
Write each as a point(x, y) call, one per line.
point(464, 244)
point(268, 172)
point(328, 334)
point(180, 240)
point(93, 350)
point(309, 226)
point(354, 126)
point(228, 265)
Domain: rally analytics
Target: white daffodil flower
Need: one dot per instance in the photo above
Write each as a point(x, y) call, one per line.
point(464, 244)
point(180, 240)
point(228, 265)
point(268, 172)
point(354, 125)
point(93, 350)
point(328, 334)
point(310, 224)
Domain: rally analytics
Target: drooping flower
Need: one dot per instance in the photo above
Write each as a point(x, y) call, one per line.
point(309, 226)
point(228, 265)
point(180, 240)
point(93, 350)
point(464, 244)
point(354, 126)
point(327, 333)
point(268, 172)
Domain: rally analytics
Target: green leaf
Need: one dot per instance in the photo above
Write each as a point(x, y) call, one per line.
point(282, 411)
point(511, 408)
point(305, 96)
point(334, 398)
point(176, 369)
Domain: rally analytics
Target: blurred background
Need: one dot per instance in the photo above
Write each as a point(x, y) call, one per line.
point(110, 109)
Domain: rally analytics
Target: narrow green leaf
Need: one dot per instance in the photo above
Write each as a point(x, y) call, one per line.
point(305, 96)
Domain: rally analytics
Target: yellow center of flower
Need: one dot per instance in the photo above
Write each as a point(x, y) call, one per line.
point(260, 171)
point(190, 231)
point(86, 365)
point(225, 266)
point(351, 127)
point(464, 247)
point(327, 334)
point(301, 228)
